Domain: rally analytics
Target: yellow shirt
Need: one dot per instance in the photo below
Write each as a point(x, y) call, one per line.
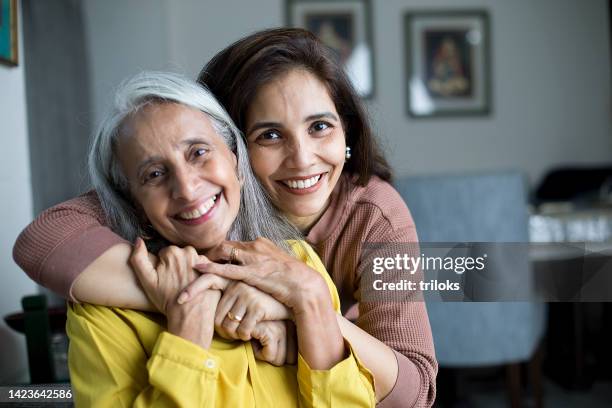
point(121, 357)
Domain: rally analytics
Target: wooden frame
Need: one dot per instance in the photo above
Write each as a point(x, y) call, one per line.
point(346, 27)
point(447, 63)
point(8, 32)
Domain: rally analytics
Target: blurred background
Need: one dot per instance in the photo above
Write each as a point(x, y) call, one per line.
point(525, 98)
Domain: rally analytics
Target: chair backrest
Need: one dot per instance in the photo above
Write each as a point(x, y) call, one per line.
point(488, 207)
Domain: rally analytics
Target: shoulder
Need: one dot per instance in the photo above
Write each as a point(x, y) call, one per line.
point(379, 204)
point(87, 203)
point(90, 318)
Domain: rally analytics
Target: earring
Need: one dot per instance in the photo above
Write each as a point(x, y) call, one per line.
point(347, 153)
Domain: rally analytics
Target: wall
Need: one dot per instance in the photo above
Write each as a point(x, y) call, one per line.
point(15, 213)
point(123, 37)
point(551, 75)
point(551, 91)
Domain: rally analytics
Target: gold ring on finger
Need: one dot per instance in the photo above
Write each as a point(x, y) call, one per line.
point(233, 252)
point(233, 317)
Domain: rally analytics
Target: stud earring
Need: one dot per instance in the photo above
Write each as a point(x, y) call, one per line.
point(347, 153)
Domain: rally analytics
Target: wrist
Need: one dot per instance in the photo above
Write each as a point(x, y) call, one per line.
point(311, 292)
point(194, 320)
point(314, 306)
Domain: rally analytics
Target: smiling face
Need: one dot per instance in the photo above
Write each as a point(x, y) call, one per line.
point(296, 145)
point(181, 173)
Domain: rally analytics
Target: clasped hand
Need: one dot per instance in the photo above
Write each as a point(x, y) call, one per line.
point(241, 312)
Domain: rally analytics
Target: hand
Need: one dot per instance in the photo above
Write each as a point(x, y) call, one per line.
point(263, 265)
point(163, 281)
point(249, 304)
point(195, 321)
point(275, 342)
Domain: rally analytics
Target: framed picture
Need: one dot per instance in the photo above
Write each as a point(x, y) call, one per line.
point(8, 32)
point(345, 27)
point(447, 63)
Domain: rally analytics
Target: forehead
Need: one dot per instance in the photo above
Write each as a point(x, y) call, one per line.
point(166, 125)
point(161, 132)
point(297, 91)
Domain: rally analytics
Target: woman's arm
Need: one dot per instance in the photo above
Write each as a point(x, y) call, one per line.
point(293, 283)
point(69, 249)
point(397, 318)
point(110, 281)
point(375, 355)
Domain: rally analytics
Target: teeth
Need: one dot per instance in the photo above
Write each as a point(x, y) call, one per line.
point(197, 213)
point(300, 184)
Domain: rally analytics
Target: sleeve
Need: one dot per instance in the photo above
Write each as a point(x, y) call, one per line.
point(62, 241)
point(398, 319)
point(347, 384)
point(110, 367)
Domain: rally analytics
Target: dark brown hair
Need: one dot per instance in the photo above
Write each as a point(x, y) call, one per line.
point(237, 72)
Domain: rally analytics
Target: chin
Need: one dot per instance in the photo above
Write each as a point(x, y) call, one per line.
point(304, 212)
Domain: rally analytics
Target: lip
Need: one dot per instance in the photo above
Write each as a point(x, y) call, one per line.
point(203, 218)
point(304, 191)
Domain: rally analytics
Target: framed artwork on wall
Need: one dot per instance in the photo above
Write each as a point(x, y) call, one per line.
point(8, 32)
point(447, 63)
point(345, 27)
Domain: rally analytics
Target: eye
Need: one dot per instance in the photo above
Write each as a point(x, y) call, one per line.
point(268, 137)
point(199, 152)
point(153, 175)
point(320, 126)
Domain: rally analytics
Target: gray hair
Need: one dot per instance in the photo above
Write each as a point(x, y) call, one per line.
point(257, 216)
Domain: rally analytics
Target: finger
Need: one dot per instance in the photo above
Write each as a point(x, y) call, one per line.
point(201, 259)
point(256, 349)
point(139, 259)
point(232, 321)
point(281, 350)
point(223, 251)
point(291, 344)
point(225, 305)
point(235, 272)
point(246, 327)
point(269, 346)
point(201, 284)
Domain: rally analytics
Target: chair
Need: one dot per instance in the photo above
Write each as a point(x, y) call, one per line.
point(44, 329)
point(480, 208)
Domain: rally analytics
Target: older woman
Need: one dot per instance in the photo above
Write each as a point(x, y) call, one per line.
point(311, 146)
point(169, 162)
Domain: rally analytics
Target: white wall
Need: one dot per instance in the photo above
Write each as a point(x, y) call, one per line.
point(15, 213)
point(550, 71)
point(551, 91)
point(123, 38)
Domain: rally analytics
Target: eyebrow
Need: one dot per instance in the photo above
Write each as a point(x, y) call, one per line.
point(153, 159)
point(321, 115)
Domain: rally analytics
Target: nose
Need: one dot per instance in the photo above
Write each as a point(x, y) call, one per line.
point(184, 184)
point(301, 153)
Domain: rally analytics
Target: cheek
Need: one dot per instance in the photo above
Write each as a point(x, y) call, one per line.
point(335, 149)
point(263, 163)
point(152, 205)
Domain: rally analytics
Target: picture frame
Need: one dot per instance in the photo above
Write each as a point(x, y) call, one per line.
point(8, 32)
point(345, 27)
point(447, 63)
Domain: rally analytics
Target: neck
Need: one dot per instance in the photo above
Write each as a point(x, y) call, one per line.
point(304, 224)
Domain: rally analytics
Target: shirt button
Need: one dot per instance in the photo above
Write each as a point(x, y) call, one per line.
point(210, 363)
